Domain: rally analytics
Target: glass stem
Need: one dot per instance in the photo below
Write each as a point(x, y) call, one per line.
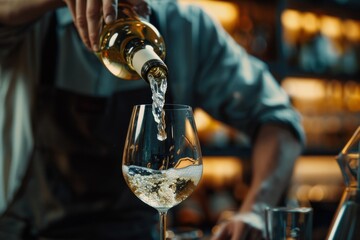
point(162, 215)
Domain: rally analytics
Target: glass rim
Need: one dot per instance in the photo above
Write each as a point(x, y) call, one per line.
point(167, 106)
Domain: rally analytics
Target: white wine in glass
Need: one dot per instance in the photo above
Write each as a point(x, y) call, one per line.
point(162, 173)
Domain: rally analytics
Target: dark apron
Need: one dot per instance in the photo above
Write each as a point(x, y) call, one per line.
point(74, 188)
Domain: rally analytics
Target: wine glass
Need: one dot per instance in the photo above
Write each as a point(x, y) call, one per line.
point(162, 169)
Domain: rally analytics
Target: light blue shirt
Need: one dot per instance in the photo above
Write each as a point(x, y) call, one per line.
point(207, 69)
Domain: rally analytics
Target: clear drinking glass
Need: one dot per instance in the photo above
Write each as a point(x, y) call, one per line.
point(289, 223)
point(162, 173)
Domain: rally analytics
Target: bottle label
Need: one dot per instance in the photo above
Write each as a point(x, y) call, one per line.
point(143, 56)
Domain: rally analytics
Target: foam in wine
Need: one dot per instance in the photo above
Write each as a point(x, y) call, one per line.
point(162, 189)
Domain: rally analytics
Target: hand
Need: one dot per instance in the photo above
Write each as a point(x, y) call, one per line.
point(87, 16)
point(236, 228)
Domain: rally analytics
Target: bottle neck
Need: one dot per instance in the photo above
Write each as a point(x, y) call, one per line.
point(142, 58)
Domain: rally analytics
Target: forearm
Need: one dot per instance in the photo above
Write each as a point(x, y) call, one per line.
point(274, 155)
point(17, 12)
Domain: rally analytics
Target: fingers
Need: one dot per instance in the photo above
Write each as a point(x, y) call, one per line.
point(93, 17)
point(110, 10)
point(81, 22)
point(87, 16)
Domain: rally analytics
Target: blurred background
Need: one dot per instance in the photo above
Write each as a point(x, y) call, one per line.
point(313, 49)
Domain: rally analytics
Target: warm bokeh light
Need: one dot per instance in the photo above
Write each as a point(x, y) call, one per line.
point(330, 26)
point(352, 96)
point(317, 178)
point(317, 193)
point(291, 19)
point(224, 12)
point(304, 88)
point(312, 168)
point(310, 22)
point(221, 171)
point(351, 29)
point(332, 95)
point(302, 192)
point(202, 119)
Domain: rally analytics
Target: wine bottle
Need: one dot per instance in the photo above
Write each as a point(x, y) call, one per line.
point(131, 48)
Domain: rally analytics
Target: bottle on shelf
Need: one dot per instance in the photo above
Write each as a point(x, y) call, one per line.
point(131, 47)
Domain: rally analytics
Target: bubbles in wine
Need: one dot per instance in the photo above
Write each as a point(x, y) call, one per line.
point(162, 189)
